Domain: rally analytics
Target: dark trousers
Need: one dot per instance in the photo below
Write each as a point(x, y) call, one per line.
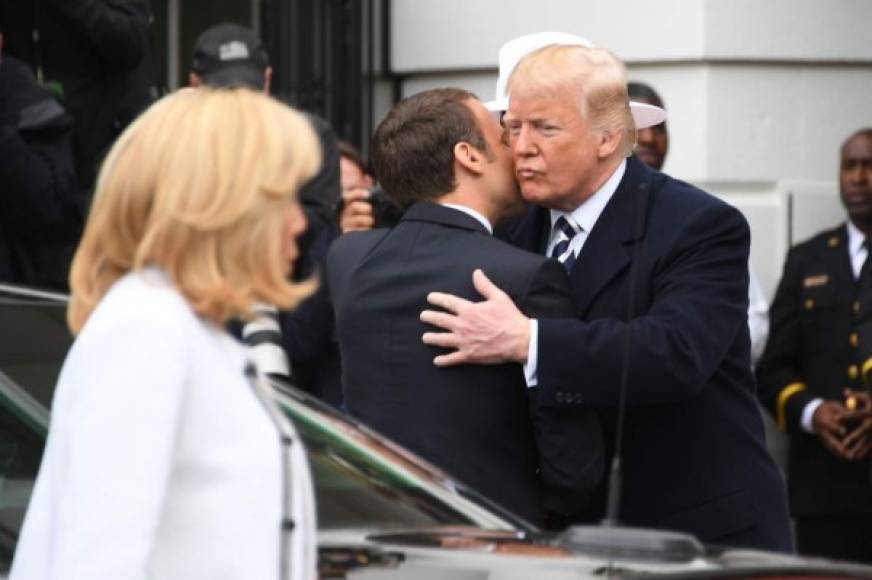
point(842, 538)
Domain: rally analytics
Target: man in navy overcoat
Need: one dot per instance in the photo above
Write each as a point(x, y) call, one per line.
point(694, 457)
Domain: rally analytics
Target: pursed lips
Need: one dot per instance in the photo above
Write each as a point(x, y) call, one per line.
point(526, 173)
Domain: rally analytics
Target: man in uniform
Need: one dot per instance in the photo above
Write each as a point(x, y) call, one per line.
point(814, 374)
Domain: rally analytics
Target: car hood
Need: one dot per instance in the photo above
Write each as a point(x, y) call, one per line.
point(472, 553)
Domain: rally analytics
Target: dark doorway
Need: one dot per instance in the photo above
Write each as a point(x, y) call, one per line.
point(325, 54)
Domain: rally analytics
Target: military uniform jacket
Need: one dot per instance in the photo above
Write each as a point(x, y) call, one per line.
point(812, 353)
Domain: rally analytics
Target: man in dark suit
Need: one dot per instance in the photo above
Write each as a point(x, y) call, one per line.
point(635, 239)
point(440, 154)
point(814, 366)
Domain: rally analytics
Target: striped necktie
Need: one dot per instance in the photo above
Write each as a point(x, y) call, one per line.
point(263, 335)
point(565, 229)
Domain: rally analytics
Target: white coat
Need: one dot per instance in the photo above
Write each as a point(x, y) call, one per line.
point(161, 462)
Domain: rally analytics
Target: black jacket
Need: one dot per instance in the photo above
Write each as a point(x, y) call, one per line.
point(811, 354)
point(479, 423)
point(87, 51)
point(320, 196)
point(39, 215)
point(308, 331)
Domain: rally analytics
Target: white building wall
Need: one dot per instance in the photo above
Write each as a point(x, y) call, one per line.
point(760, 94)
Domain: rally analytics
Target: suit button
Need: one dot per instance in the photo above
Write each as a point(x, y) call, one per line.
point(856, 306)
point(853, 372)
point(809, 304)
point(853, 339)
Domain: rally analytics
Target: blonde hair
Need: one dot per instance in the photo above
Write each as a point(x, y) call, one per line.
point(198, 186)
point(597, 75)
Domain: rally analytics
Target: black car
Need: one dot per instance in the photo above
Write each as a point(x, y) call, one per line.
point(382, 511)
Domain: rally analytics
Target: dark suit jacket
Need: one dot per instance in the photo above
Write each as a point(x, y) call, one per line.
point(694, 457)
point(479, 423)
point(812, 321)
point(307, 331)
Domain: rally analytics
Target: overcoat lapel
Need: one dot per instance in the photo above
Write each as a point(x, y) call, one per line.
point(609, 246)
point(529, 232)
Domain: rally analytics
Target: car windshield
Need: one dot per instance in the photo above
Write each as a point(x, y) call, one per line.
point(362, 481)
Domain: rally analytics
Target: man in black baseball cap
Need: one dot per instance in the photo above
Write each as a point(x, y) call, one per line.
point(227, 56)
point(230, 55)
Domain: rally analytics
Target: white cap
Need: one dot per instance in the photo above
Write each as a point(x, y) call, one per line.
point(512, 52)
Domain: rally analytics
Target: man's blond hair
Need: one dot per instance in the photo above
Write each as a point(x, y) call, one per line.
point(597, 76)
point(198, 186)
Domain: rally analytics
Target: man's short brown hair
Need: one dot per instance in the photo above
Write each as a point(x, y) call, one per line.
point(413, 148)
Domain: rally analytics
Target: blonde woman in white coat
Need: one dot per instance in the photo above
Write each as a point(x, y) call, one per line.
point(163, 459)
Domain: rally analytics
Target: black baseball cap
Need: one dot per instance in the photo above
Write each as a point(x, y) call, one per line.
point(230, 55)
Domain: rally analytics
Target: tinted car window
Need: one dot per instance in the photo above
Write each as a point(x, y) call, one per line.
point(23, 425)
point(357, 487)
point(33, 342)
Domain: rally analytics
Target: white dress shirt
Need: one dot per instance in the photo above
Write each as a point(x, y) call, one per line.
point(161, 462)
point(858, 253)
point(758, 317)
point(586, 216)
point(473, 214)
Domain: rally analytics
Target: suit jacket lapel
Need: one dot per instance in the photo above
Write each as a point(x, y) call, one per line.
point(608, 248)
point(529, 232)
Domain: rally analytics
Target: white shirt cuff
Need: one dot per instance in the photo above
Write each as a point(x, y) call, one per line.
point(808, 413)
point(531, 366)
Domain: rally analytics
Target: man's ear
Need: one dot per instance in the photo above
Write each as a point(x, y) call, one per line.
point(610, 140)
point(468, 157)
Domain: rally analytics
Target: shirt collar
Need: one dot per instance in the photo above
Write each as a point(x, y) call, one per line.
point(590, 209)
point(472, 213)
point(855, 239)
